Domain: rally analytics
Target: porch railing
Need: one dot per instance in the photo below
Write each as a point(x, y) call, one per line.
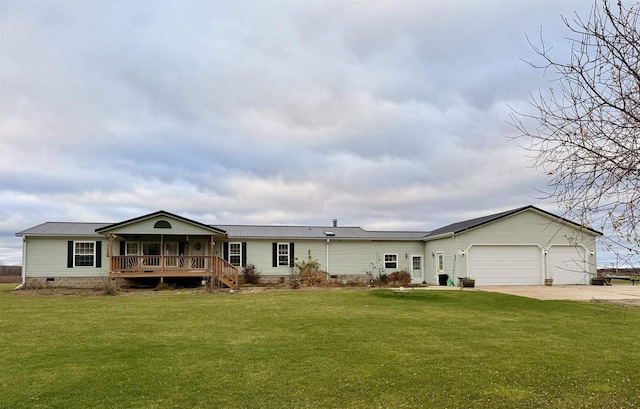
point(207, 265)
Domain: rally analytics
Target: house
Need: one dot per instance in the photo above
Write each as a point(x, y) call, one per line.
point(519, 246)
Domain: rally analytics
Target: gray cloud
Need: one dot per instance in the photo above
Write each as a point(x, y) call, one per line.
point(385, 115)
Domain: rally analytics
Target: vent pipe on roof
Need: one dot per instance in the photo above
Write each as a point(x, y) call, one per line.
point(335, 222)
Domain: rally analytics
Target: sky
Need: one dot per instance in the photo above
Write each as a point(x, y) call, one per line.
point(382, 114)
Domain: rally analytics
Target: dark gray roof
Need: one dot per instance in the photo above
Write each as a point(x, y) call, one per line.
point(63, 229)
point(316, 232)
point(237, 231)
point(461, 227)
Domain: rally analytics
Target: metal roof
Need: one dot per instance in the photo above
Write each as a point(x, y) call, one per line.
point(299, 232)
point(63, 229)
point(237, 231)
point(316, 232)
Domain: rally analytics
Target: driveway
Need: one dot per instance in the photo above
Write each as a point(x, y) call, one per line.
point(569, 292)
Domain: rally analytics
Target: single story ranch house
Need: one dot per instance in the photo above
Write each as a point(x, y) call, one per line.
point(522, 246)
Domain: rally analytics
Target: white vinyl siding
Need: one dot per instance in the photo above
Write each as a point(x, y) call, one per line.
point(178, 227)
point(506, 265)
point(527, 228)
point(47, 257)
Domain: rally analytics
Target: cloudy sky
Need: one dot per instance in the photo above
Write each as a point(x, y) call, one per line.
point(383, 114)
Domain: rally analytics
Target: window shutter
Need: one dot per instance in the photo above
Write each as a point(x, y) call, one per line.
point(98, 254)
point(291, 255)
point(225, 250)
point(181, 248)
point(70, 254)
point(243, 262)
point(123, 250)
point(275, 255)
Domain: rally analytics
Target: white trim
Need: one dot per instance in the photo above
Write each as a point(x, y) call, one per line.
point(93, 263)
point(288, 255)
point(384, 260)
point(421, 278)
point(439, 254)
point(239, 254)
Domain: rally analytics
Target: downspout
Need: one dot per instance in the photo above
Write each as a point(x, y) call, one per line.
point(24, 264)
point(328, 274)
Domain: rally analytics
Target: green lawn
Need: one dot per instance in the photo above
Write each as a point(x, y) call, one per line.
point(334, 348)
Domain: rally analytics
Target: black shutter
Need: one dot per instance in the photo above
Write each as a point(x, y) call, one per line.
point(122, 248)
point(275, 255)
point(70, 254)
point(291, 255)
point(98, 254)
point(243, 262)
point(225, 250)
point(181, 248)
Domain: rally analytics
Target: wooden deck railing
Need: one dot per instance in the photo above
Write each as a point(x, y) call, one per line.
point(167, 266)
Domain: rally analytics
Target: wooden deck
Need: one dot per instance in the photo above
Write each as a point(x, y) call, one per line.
point(174, 266)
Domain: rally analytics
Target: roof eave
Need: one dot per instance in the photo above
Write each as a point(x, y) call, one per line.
point(439, 236)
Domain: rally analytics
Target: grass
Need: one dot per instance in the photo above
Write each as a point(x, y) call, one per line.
point(315, 349)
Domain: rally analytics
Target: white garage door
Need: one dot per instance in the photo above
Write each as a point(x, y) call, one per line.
point(506, 265)
point(567, 265)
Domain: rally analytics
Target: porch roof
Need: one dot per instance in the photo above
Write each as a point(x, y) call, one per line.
point(125, 225)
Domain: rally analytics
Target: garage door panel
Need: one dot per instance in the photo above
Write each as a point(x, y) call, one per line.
point(505, 265)
point(567, 265)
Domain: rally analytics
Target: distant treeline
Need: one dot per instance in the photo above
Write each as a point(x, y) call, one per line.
point(10, 270)
point(619, 271)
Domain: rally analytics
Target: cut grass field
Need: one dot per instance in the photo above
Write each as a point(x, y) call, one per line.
point(314, 349)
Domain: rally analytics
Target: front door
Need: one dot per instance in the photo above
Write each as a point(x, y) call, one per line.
point(171, 254)
point(439, 265)
point(151, 253)
point(416, 269)
point(197, 250)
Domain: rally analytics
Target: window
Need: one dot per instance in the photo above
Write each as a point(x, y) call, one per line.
point(235, 254)
point(391, 261)
point(440, 263)
point(84, 253)
point(132, 248)
point(283, 254)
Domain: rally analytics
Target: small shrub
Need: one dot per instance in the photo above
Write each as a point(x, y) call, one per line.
point(251, 274)
point(314, 278)
point(400, 278)
point(382, 280)
point(309, 273)
point(110, 287)
point(294, 281)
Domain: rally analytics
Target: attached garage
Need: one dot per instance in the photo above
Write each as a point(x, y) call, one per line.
point(506, 265)
point(568, 265)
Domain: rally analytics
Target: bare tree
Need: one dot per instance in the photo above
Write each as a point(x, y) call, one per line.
point(586, 132)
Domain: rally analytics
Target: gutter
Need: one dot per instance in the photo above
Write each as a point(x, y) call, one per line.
point(439, 236)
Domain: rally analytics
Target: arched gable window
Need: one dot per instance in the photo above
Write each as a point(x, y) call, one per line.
point(162, 224)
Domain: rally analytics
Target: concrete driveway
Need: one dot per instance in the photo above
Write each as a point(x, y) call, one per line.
point(569, 292)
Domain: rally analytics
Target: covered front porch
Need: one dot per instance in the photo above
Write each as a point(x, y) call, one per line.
point(163, 245)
